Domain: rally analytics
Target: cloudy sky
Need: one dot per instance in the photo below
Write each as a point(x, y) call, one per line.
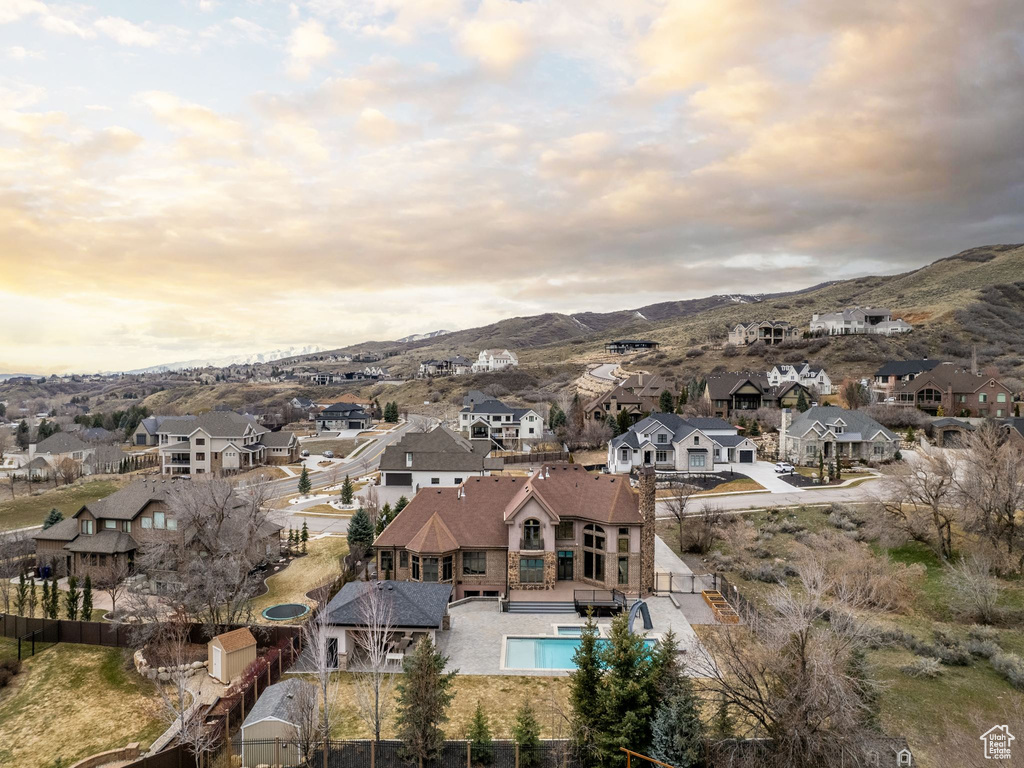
point(195, 178)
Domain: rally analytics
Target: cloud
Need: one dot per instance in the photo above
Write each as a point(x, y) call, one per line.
point(19, 53)
point(124, 32)
point(498, 36)
point(308, 45)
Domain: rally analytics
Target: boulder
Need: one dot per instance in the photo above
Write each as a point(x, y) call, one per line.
point(198, 664)
point(163, 677)
point(161, 670)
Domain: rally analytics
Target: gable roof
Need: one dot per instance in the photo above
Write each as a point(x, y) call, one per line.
point(277, 439)
point(906, 367)
point(65, 530)
point(227, 424)
point(125, 503)
point(103, 542)
point(236, 639)
point(439, 449)
point(413, 604)
point(828, 415)
point(947, 375)
point(61, 442)
point(280, 701)
point(342, 409)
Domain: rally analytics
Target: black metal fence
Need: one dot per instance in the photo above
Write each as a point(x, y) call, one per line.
point(37, 641)
point(392, 754)
point(679, 583)
point(744, 607)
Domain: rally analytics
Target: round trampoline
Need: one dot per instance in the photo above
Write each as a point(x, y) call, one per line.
point(285, 611)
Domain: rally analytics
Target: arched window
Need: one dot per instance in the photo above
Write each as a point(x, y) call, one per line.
point(531, 535)
point(593, 552)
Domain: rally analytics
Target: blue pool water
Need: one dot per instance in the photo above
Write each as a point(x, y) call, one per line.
point(545, 652)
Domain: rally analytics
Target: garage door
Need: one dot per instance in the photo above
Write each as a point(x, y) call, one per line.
point(398, 478)
point(746, 457)
point(355, 425)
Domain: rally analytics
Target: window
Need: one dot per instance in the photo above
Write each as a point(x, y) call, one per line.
point(87, 526)
point(435, 481)
point(446, 568)
point(200, 457)
point(110, 524)
point(661, 456)
point(593, 552)
point(623, 570)
point(999, 412)
point(531, 430)
point(662, 437)
point(387, 563)
point(531, 534)
point(474, 563)
point(159, 520)
point(147, 522)
point(878, 450)
point(415, 568)
point(531, 571)
point(625, 454)
point(172, 524)
point(623, 540)
point(696, 439)
point(408, 459)
point(126, 526)
point(200, 441)
point(403, 559)
point(429, 569)
point(698, 460)
point(982, 397)
point(565, 530)
point(1001, 397)
point(810, 450)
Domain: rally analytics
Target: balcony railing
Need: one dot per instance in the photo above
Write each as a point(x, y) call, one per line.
point(531, 544)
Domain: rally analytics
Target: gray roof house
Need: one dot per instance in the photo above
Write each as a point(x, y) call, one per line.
point(271, 730)
point(339, 416)
point(830, 431)
point(60, 446)
point(417, 610)
point(671, 443)
point(502, 425)
point(437, 457)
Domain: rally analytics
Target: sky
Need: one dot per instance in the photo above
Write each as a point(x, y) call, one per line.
point(197, 178)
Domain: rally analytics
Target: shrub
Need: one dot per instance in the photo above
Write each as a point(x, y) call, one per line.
point(763, 572)
point(841, 521)
point(730, 350)
point(986, 649)
point(694, 352)
point(1011, 667)
point(8, 669)
point(925, 667)
point(791, 527)
point(982, 632)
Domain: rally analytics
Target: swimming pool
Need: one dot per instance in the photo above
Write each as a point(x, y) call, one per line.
point(545, 652)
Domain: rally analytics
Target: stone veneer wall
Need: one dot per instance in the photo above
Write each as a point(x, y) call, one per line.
point(647, 531)
point(550, 571)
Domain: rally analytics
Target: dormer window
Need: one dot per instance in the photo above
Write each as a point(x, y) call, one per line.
point(408, 459)
point(110, 525)
point(837, 428)
point(87, 527)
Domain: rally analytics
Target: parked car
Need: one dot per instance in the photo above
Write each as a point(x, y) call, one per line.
point(304, 454)
point(784, 467)
point(328, 454)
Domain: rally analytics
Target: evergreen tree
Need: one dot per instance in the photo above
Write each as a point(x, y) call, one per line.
point(383, 518)
point(481, 747)
point(424, 695)
point(677, 732)
point(54, 609)
point(87, 599)
point(21, 595)
point(526, 733)
point(346, 491)
point(683, 396)
point(46, 598)
point(801, 402)
point(821, 466)
point(624, 422)
point(21, 437)
point(666, 402)
point(72, 599)
point(401, 504)
point(722, 727)
point(585, 687)
point(305, 485)
point(52, 518)
point(838, 474)
point(668, 672)
point(575, 416)
point(360, 530)
point(755, 429)
point(556, 417)
point(911, 435)
point(32, 597)
point(304, 536)
point(628, 693)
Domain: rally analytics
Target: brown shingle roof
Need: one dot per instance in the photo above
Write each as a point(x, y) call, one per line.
point(236, 639)
point(947, 375)
point(434, 536)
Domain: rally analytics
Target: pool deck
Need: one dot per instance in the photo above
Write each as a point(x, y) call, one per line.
point(474, 644)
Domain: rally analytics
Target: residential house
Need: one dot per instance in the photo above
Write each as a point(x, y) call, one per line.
point(272, 729)
point(220, 442)
point(637, 395)
point(501, 425)
point(323, 378)
point(748, 391)
point(96, 435)
point(560, 529)
point(813, 377)
point(829, 431)
point(339, 416)
point(895, 372)
point(415, 609)
point(771, 332)
point(625, 346)
point(60, 447)
point(958, 392)
point(114, 529)
point(436, 458)
point(671, 443)
point(859, 320)
point(449, 366)
point(495, 360)
point(105, 460)
point(146, 433)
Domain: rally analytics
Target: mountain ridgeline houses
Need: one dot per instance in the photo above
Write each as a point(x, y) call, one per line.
point(859, 320)
point(671, 443)
point(560, 529)
point(770, 332)
point(639, 394)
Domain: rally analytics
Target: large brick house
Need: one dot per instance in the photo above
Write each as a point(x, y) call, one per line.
point(558, 529)
point(958, 392)
point(117, 528)
point(896, 372)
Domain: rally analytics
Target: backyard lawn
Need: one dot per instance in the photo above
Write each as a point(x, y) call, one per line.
point(500, 696)
point(25, 511)
point(72, 701)
point(321, 565)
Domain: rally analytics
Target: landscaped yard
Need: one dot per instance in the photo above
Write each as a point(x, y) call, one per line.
point(341, 448)
point(72, 701)
point(739, 485)
point(321, 564)
point(500, 697)
point(25, 511)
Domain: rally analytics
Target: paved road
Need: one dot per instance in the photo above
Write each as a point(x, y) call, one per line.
point(865, 492)
point(605, 372)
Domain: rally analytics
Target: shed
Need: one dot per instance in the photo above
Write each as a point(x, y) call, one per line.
point(229, 654)
point(272, 728)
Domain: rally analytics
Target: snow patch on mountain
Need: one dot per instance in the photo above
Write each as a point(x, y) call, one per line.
point(223, 362)
point(422, 336)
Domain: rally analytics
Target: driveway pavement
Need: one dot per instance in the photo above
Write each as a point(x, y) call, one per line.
point(763, 472)
point(605, 372)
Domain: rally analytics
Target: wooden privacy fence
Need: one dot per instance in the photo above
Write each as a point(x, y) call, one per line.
point(537, 457)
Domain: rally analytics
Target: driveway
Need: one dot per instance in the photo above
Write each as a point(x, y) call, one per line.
point(763, 472)
point(605, 372)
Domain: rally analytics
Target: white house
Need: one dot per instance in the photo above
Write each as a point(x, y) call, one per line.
point(495, 360)
point(439, 458)
point(859, 320)
point(671, 443)
point(811, 376)
point(504, 426)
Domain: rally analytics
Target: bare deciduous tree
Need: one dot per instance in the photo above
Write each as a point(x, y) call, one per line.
point(371, 503)
point(917, 502)
point(679, 493)
point(320, 648)
point(5, 443)
point(306, 711)
point(374, 683)
point(112, 579)
point(69, 470)
point(181, 706)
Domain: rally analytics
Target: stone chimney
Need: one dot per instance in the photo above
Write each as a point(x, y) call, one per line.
point(647, 532)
